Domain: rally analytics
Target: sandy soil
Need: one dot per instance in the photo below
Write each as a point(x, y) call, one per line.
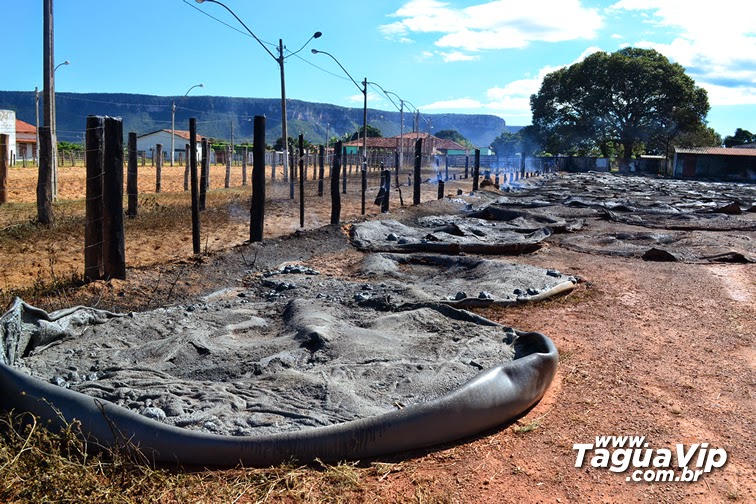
point(661, 350)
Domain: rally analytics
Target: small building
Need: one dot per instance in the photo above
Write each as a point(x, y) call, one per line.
point(26, 141)
point(716, 163)
point(8, 127)
point(147, 143)
point(432, 145)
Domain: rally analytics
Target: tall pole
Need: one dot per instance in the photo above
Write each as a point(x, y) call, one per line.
point(173, 121)
point(284, 130)
point(364, 143)
point(48, 49)
point(173, 129)
point(36, 114)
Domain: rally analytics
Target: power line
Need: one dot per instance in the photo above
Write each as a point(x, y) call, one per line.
point(226, 24)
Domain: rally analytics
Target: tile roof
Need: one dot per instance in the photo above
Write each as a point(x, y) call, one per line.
point(717, 151)
point(393, 142)
point(25, 127)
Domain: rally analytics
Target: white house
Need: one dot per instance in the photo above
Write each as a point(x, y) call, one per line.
point(8, 127)
point(26, 141)
point(147, 143)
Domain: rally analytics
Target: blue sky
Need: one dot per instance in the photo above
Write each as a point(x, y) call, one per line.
point(453, 56)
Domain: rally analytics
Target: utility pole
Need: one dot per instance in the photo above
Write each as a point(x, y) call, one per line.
point(48, 49)
point(284, 130)
point(36, 130)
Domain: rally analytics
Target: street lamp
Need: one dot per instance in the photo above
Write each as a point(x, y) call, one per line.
point(280, 60)
point(401, 121)
point(55, 135)
point(173, 121)
point(363, 90)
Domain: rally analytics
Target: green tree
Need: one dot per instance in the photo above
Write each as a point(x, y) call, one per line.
point(372, 132)
point(701, 137)
point(278, 146)
point(455, 136)
point(621, 100)
point(740, 137)
point(70, 147)
point(507, 144)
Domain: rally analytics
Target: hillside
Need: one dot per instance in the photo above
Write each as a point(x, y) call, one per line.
point(217, 116)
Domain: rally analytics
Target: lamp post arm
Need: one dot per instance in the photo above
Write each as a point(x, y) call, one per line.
point(314, 36)
point(245, 27)
point(362, 90)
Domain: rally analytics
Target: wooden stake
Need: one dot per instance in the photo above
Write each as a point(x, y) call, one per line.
point(158, 166)
point(257, 210)
point(418, 165)
point(194, 182)
point(132, 190)
point(113, 237)
point(336, 175)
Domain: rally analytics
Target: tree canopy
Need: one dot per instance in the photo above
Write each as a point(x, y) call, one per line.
point(507, 144)
point(630, 100)
point(455, 136)
point(372, 132)
point(740, 137)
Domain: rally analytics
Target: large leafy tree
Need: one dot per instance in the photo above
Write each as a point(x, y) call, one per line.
point(455, 136)
point(740, 137)
point(623, 100)
point(372, 132)
point(507, 144)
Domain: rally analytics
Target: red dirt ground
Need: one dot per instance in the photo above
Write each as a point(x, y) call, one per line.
point(661, 350)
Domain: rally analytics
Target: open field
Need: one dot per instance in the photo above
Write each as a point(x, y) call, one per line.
point(663, 350)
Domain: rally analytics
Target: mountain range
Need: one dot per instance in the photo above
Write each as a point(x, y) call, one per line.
point(223, 117)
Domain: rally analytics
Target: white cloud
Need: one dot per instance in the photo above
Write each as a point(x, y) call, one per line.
point(511, 101)
point(716, 44)
point(497, 24)
point(458, 103)
point(457, 56)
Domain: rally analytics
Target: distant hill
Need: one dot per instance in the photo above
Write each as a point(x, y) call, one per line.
point(217, 115)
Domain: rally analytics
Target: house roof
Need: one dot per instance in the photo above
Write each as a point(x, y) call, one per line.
point(717, 151)
point(393, 142)
point(178, 133)
point(25, 127)
point(751, 145)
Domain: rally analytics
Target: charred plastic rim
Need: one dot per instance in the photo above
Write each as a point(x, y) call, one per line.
point(488, 400)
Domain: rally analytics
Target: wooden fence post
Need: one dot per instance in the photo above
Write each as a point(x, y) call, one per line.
point(321, 169)
point(302, 175)
point(418, 165)
point(132, 190)
point(245, 153)
point(93, 269)
point(343, 169)
point(476, 170)
point(113, 238)
point(204, 172)
point(4, 139)
point(194, 182)
point(257, 209)
point(187, 168)
point(440, 189)
point(229, 155)
point(292, 173)
point(272, 167)
point(335, 176)
point(158, 166)
point(45, 178)
point(363, 189)
point(386, 190)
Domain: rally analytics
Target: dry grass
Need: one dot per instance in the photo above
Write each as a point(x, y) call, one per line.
point(38, 465)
